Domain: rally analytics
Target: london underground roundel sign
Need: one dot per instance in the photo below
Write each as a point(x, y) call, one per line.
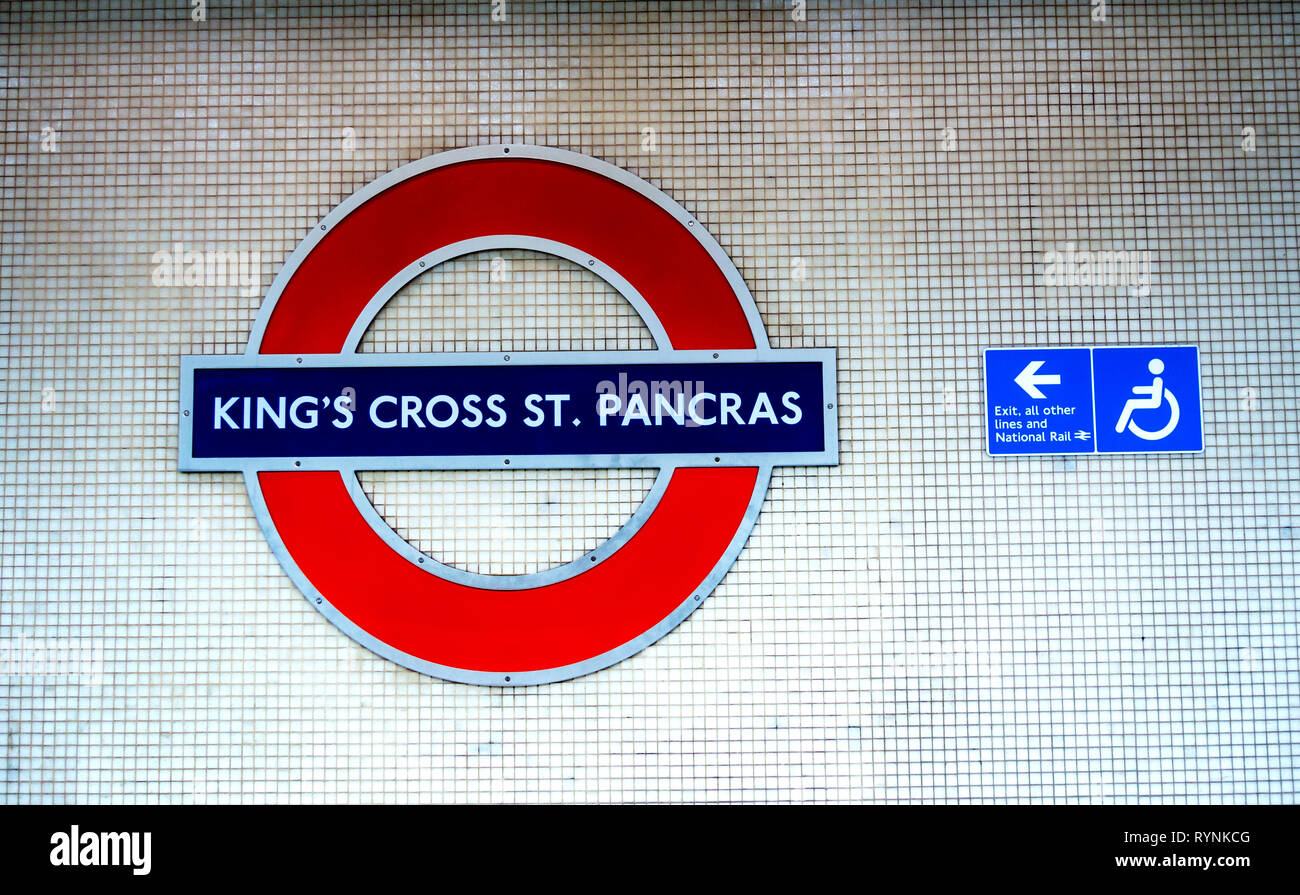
point(713, 408)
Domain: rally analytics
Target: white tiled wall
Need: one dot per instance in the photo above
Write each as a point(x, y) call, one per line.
point(921, 623)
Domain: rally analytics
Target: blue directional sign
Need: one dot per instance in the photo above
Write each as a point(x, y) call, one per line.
point(1093, 400)
point(1039, 401)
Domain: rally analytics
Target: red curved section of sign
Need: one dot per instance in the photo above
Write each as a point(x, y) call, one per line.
point(522, 197)
point(561, 624)
point(623, 596)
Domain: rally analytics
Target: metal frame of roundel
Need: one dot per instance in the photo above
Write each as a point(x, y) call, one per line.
point(587, 614)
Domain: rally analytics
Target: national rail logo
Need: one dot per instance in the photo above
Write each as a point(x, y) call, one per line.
point(300, 412)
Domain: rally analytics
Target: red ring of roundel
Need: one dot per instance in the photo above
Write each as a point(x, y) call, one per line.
point(570, 621)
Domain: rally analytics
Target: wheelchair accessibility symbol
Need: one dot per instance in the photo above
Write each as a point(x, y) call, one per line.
point(1153, 396)
point(1148, 399)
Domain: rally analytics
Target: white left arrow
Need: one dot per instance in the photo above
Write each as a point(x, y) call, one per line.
point(1030, 383)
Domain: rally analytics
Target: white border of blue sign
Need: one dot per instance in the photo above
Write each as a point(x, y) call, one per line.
point(1092, 388)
